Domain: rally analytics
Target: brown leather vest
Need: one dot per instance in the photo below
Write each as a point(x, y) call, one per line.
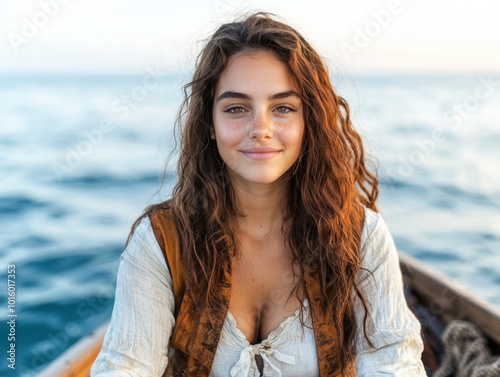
point(197, 329)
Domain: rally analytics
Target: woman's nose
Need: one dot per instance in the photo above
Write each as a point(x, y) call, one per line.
point(261, 127)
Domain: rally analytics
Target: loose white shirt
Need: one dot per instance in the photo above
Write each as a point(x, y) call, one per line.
point(137, 341)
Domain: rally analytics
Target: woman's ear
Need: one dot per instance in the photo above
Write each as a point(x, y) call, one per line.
point(212, 133)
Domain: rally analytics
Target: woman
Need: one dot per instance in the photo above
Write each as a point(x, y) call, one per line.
point(270, 259)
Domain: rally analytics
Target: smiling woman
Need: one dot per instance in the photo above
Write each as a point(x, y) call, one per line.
point(270, 259)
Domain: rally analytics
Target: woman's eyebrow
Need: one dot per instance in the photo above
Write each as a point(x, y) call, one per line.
point(238, 95)
point(230, 94)
point(288, 93)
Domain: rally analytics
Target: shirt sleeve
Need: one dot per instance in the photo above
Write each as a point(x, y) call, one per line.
point(391, 326)
point(136, 343)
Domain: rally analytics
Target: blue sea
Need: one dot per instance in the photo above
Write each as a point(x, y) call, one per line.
point(80, 157)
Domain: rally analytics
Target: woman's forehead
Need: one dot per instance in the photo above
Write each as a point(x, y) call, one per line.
point(256, 71)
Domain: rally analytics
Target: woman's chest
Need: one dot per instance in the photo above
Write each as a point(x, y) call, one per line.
point(289, 350)
point(263, 285)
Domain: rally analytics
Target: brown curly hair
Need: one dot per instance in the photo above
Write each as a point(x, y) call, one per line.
point(328, 188)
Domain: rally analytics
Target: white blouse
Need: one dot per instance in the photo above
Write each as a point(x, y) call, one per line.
point(137, 341)
point(289, 350)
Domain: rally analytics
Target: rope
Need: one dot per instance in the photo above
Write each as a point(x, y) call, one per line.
point(466, 353)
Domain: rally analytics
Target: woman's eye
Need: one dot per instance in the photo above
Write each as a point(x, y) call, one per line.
point(235, 110)
point(284, 109)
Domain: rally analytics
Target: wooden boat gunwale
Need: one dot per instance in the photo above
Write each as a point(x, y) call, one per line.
point(77, 360)
point(448, 300)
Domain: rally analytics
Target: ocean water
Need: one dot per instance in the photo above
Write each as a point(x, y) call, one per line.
point(80, 157)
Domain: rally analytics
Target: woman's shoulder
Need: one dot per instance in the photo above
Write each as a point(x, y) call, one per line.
point(144, 232)
point(375, 233)
point(377, 245)
point(141, 230)
point(151, 218)
point(160, 215)
point(142, 248)
point(372, 221)
point(163, 223)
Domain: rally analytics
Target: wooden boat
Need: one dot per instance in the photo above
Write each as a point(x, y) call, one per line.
point(442, 299)
point(437, 301)
point(77, 360)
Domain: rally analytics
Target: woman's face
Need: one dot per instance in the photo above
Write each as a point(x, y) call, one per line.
point(258, 118)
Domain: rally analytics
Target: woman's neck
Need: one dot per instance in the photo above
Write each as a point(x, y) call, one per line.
point(262, 207)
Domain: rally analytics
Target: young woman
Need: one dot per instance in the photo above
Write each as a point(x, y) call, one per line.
point(270, 259)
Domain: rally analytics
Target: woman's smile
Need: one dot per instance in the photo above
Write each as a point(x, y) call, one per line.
point(263, 153)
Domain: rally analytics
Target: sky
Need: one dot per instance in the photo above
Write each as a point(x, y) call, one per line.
point(125, 36)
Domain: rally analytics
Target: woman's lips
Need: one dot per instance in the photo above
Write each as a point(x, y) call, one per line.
point(260, 153)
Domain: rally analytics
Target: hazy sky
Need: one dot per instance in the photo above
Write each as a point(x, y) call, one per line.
point(358, 36)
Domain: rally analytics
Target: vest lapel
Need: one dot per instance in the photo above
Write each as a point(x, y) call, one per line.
point(197, 327)
point(324, 331)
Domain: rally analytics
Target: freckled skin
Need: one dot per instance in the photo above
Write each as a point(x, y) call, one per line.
point(242, 124)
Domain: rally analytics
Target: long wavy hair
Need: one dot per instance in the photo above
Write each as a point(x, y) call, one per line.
point(328, 186)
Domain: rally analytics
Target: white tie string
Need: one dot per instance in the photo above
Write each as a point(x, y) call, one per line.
point(242, 367)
